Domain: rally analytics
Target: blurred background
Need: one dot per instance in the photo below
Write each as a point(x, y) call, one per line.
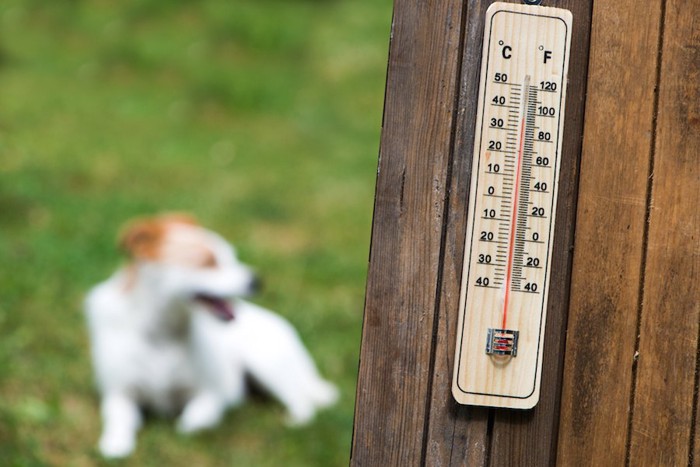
point(261, 117)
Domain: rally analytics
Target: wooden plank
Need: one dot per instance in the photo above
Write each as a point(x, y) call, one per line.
point(695, 442)
point(662, 418)
point(609, 239)
point(394, 376)
point(457, 435)
point(530, 436)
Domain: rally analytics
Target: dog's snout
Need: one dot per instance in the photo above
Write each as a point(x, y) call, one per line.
point(255, 284)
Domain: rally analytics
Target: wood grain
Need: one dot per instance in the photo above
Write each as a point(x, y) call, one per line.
point(457, 435)
point(597, 406)
point(662, 422)
point(695, 442)
point(397, 343)
point(531, 436)
point(609, 241)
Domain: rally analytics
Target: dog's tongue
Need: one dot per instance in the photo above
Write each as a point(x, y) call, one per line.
point(221, 308)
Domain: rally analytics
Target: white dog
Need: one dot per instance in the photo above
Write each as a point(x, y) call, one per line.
point(169, 333)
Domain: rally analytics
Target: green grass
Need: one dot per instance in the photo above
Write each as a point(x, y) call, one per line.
point(261, 117)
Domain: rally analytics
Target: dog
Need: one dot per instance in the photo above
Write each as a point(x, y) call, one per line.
point(170, 333)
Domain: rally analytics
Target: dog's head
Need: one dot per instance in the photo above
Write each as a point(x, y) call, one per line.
point(178, 259)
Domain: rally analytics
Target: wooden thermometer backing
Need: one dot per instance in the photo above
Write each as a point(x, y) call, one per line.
point(513, 197)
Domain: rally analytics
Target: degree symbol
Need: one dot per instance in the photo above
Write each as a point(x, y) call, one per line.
point(541, 47)
point(500, 42)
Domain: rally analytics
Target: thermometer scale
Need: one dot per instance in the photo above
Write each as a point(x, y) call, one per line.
point(512, 203)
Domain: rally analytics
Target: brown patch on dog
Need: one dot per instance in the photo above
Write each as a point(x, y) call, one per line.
point(141, 238)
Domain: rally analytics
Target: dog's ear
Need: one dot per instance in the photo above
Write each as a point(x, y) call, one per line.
point(141, 238)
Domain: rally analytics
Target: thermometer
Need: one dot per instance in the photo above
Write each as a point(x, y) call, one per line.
point(512, 204)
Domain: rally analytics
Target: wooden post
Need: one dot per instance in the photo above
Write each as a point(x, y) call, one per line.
point(614, 173)
point(620, 381)
point(630, 389)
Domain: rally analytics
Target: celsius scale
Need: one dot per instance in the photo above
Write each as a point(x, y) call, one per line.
point(512, 202)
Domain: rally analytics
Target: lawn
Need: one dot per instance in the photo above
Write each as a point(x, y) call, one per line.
point(260, 117)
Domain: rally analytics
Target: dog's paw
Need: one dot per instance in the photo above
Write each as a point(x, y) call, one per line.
point(326, 394)
point(201, 413)
point(193, 424)
point(301, 410)
point(296, 421)
point(116, 447)
point(189, 425)
point(299, 414)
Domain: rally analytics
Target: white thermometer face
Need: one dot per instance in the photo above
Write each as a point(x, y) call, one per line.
point(510, 224)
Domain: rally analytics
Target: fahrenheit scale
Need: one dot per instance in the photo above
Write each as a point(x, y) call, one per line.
point(510, 224)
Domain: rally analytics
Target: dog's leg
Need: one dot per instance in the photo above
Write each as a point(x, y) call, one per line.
point(302, 400)
point(300, 411)
point(291, 377)
point(121, 419)
point(293, 393)
point(203, 411)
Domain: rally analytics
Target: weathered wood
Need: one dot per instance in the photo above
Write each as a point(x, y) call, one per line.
point(531, 436)
point(394, 377)
point(609, 238)
point(457, 435)
point(596, 407)
point(662, 417)
point(695, 442)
